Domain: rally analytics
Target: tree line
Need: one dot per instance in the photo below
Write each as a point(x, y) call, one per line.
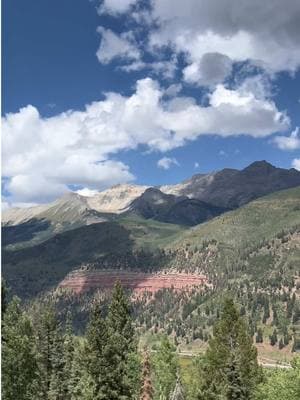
point(42, 359)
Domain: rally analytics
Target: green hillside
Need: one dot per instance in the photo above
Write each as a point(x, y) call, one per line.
point(250, 224)
point(130, 242)
point(252, 252)
point(254, 239)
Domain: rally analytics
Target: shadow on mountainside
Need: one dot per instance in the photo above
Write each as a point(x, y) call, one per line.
point(33, 270)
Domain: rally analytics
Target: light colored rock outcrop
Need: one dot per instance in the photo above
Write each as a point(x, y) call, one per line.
point(116, 199)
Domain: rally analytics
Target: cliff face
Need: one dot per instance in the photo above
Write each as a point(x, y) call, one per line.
point(83, 281)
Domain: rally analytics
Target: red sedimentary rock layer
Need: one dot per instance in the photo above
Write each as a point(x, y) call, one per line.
point(139, 282)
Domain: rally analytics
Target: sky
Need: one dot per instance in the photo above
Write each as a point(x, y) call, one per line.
point(101, 92)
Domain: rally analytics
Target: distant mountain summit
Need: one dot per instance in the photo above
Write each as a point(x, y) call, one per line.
point(179, 210)
point(231, 188)
point(191, 202)
point(116, 199)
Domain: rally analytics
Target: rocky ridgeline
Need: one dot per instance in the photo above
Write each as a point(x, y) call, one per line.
point(83, 281)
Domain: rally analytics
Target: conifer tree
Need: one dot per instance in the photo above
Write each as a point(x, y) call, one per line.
point(230, 367)
point(68, 354)
point(3, 298)
point(49, 350)
point(259, 337)
point(121, 348)
point(56, 387)
point(81, 384)
point(96, 360)
point(19, 367)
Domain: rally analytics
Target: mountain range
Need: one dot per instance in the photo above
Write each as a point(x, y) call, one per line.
point(191, 202)
point(74, 229)
point(236, 231)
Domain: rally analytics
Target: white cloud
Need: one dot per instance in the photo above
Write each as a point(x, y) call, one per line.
point(115, 6)
point(166, 162)
point(291, 142)
point(86, 192)
point(173, 90)
point(266, 33)
point(43, 156)
point(116, 46)
point(214, 34)
point(296, 163)
point(211, 69)
point(166, 69)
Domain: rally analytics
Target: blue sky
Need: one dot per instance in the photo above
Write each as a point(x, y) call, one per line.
point(100, 92)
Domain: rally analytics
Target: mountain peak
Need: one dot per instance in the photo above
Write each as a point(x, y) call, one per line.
point(260, 165)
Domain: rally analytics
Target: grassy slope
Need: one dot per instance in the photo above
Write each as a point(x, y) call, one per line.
point(37, 268)
point(148, 233)
point(257, 221)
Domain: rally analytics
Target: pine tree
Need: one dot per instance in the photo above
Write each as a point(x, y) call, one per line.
point(19, 367)
point(147, 389)
point(259, 337)
point(273, 338)
point(230, 366)
point(121, 348)
point(96, 362)
point(68, 354)
point(56, 387)
point(3, 298)
point(49, 351)
point(81, 384)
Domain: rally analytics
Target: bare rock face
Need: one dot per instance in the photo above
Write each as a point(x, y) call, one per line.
point(73, 207)
point(116, 199)
point(232, 188)
point(15, 216)
point(80, 282)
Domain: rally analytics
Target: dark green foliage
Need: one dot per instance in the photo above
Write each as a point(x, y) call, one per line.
point(49, 352)
point(110, 355)
point(230, 366)
point(273, 338)
point(19, 367)
point(259, 337)
point(280, 344)
point(120, 347)
point(3, 297)
point(95, 362)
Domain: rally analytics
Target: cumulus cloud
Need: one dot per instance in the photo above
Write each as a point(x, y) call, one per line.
point(42, 157)
point(211, 69)
point(116, 46)
point(291, 142)
point(115, 6)
point(267, 33)
point(213, 35)
point(166, 69)
point(296, 163)
point(166, 162)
